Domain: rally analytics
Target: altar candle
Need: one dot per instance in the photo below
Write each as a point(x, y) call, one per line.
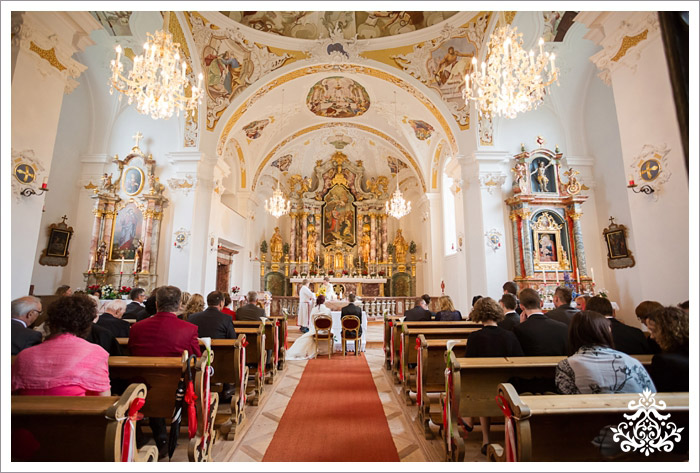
point(556, 274)
point(91, 261)
point(136, 263)
point(544, 277)
point(104, 262)
point(45, 183)
point(631, 181)
point(592, 277)
point(121, 270)
point(578, 280)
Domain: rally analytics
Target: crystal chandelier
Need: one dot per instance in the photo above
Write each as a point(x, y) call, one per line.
point(158, 80)
point(277, 205)
point(397, 206)
point(511, 80)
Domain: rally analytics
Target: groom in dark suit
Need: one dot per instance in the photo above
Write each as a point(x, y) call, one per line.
point(352, 309)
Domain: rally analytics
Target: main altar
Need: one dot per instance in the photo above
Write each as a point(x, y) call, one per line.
point(338, 228)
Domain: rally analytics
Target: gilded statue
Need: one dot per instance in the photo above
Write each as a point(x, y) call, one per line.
point(311, 243)
point(101, 256)
point(138, 255)
point(365, 244)
point(276, 245)
point(107, 184)
point(400, 247)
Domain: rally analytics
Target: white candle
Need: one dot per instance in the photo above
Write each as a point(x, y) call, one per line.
point(578, 279)
point(91, 261)
point(104, 262)
point(592, 277)
point(121, 269)
point(544, 276)
point(556, 274)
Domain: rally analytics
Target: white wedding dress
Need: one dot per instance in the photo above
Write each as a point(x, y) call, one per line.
point(304, 348)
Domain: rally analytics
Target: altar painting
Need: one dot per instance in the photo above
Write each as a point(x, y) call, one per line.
point(127, 232)
point(339, 216)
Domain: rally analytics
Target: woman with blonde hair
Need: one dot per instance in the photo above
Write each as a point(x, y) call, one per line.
point(447, 310)
point(194, 304)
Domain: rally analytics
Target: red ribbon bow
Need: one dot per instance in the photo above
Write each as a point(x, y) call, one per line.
point(132, 416)
point(510, 430)
point(190, 398)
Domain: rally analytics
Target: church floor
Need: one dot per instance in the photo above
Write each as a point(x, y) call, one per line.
point(262, 421)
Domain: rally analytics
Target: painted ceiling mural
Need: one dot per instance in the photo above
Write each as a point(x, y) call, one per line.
point(319, 25)
point(422, 129)
point(253, 129)
point(282, 163)
point(337, 97)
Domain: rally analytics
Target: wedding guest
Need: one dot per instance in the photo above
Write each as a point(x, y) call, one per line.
point(581, 301)
point(626, 339)
point(670, 368)
point(24, 311)
point(563, 312)
point(100, 335)
point(251, 311)
point(595, 367)
point(64, 290)
point(136, 307)
point(510, 287)
point(447, 310)
point(227, 306)
point(212, 322)
point(194, 305)
point(419, 313)
point(538, 334)
point(111, 319)
point(511, 318)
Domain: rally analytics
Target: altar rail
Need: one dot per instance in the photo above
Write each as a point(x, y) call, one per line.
point(373, 306)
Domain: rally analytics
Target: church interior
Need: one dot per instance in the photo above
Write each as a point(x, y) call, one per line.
point(359, 153)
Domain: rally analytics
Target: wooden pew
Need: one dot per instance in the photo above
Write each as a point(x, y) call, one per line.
point(255, 359)
point(430, 379)
point(389, 322)
point(162, 375)
point(551, 428)
point(474, 382)
point(272, 342)
point(230, 368)
point(409, 351)
point(281, 352)
point(75, 428)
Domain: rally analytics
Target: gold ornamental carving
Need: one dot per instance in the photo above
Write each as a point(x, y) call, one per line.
point(48, 55)
point(629, 42)
point(509, 16)
point(546, 222)
point(573, 214)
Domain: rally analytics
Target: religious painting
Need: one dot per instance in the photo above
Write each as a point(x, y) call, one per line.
point(551, 23)
point(282, 163)
point(127, 232)
point(395, 164)
point(546, 246)
point(550, 243)
point(337, 97)
point(224, 61)
point(252, 130)
point(133, 180)
point(58, 242)
point(339, 216)
point(619, 255)
point(422, 129)
point(542, 178)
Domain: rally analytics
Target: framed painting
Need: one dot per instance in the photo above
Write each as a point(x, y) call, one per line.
point(548, 241)
point(58, 242)
point(339, 216)
point(133, 180)
point(619, 255)
point(127, 232)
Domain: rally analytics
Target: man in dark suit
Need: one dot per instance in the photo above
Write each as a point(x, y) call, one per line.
point(627, 339)
point(24, 311)
point(508, 302)
point(250, 311)
point(563, 312)
point(539, 335)
point(135, 309)
point(163, 334)
point(419, 313)
point(352, 309)
point(511, 287)
point(112, 319)
point(212, 322)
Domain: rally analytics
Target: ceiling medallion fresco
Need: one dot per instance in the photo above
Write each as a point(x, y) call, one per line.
point(319, 25)
point(253, 129)
point(422, 129)
point(337, 97)
point(283, 163)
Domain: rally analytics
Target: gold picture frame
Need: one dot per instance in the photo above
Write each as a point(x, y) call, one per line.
point(619, 254)
point(133, 181)
point(548, 248)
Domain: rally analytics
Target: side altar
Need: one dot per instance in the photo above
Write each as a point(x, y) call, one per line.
point(338, 228)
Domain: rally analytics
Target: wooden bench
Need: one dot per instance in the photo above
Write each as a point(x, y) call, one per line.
point(230, 368)
point(471, 391)
point(282, 329)
point(162, 375)
point(272, 344)
point(409, 352)
point(255, 359)
point(389, 322)
point(430, 379)
point(76, 428)
point(550, 428)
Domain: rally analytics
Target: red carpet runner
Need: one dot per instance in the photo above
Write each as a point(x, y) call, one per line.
point(335, 415)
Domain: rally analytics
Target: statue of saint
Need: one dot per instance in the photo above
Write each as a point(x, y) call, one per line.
point(138, 255)
point(311, 243)
point(276, 245)
point(365, 244)
point(101, 259)
point(400, 247)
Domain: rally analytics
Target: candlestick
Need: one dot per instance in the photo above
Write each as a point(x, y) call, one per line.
point(592, 277)
point(556, 274)
point(544, 277)
point(578, 279)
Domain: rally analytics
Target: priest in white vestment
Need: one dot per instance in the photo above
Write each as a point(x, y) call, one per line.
point(306, 301)
point(328, 291)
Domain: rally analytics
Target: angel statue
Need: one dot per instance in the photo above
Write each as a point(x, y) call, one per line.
point(519, 172)
point(107, 184)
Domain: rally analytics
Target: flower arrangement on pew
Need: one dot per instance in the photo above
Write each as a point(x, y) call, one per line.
point(235, 290)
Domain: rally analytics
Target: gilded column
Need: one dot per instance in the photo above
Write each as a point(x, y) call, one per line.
point(109, 214)
point(304, 231)
point(293, 236)
point(527, 242)
point(319, 255)
point(373, 237)
point(96, 228)
point(574, 212)
point(148, 238)
point(516, 245)
point(385, 238)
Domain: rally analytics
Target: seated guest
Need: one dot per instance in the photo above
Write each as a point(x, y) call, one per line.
point(510, 287)
point(642, 311)
point(491, 340)
point(194, 305)
point(212, 322)
point(100, 335)
point(250, 311)
point(562, 312)
point(419, 313)
point(163, 334)
point(447, 310)
point(427, 300)
point(111, 319)
point(150, 306)
point(685, 305)
point(538, 334)
point(227, 304)
point(65, 364)
point(352, 309)
point(626, 339)
point(581, 301)
point(136, 307)
point(474, 299)
point(595, 367)
point(185, 299)
point(24, 311)
point(508, 303)
point(64, 290)
point(669, 369)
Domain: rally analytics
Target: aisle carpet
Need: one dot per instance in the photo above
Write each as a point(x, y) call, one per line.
point(334, 415)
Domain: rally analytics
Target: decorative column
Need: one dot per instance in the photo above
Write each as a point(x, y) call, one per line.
point(318, 237)
point(109, 216)
point(516, 246)
point(304, 232)
point(293, 236)
point(385, 237)
point(373, 237)
point(527, 241)
point(96, 230)
point(574, 213)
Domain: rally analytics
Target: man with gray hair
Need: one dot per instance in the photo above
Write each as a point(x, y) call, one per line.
point(250, 311)
point(111, 319)
point(25, 311)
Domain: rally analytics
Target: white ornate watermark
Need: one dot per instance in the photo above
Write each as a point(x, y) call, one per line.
point(647, 430)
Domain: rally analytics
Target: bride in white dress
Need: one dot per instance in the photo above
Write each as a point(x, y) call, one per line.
point(304, 347)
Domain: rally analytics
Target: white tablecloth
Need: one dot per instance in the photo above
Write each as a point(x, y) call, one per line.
point(338, 345)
